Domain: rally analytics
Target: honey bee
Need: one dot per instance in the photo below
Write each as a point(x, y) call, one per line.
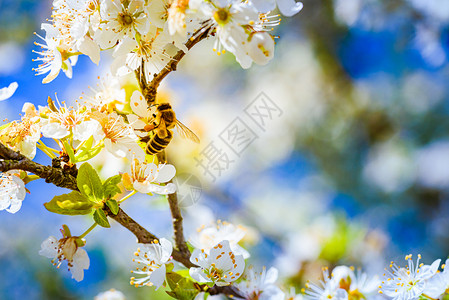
point(162, 123)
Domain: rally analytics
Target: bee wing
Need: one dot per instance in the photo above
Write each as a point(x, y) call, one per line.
point(162, 129)
point(186, 133)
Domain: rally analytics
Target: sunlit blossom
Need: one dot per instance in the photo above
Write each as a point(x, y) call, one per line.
point(147, 178)
point(67, 249)
point(151, 260)
point(410, 282)
point(207, 237)
point(12, 191)
point(260, 285)
point(220, 266)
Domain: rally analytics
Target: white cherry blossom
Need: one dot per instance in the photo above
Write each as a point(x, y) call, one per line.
point(410, 282)
point(112, 294)
point(438, 284)
point(358, 284)
point(67, 120)
point(220, 266)
point(207, 237)
point(150, 51)
point(8, 91)
point(119, 137)
point(66, 249)
point(12, 191)
point(120, 23)
point(260, 285)
point(50, 56)
point(287, 7)
point(147, 177)
point(24, 134)
point(151, 260)
point(328, 288)
point(107, 96)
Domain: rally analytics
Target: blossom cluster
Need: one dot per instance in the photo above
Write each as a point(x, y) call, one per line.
point(145, 35)
point(82, 132)
point(415, 281)
point(220, 265)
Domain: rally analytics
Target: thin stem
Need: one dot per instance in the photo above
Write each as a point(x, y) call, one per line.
point(178, 229)
point(88, 230)
point(429, 297)
point(149, 89)
point(45, 149)
point(127, 196)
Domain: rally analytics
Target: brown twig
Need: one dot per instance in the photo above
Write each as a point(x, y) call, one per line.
point(13, 160)
point(149, 89)
point(177, 224)
point(228, 290)
point(176, 215)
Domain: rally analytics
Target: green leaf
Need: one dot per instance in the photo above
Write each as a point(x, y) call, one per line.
point(113, 206)
point(100, 218)
point(169, 267)
point(89, 183)
point(172, 294)
point(182, 288)
point(173, 279)
point(86, 151)
point(70, 204)
point(68, 148)
point(110, 188)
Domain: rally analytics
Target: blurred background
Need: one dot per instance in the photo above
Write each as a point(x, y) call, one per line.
point(346, 161)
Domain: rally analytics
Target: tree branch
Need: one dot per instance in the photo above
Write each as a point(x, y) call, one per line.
point(228, 290)
point(144, 236)
point(177, 224)
point(149, 90)
point(13, 160)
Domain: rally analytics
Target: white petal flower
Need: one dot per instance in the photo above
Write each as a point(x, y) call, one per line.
point(24, 134)
point(287, 7)
point(359, 284)
point(207, 237)
point(51, 58)
point(221, 266)
point(88, 47)
point(328, 288)
point(410, 282)
point(261, 47)
point(119, 22)
point(260, 284)
point(7, 92)
point(176, 21)
point(68, 120)
point(112, 294)
point(150, 51)
point(241, 30)
point(439, 283)
point(151, 260)
point(119, 137)
point(66, 249)
point(147, 177)
point(107, 96)
point(12, 192)
point(80, 263)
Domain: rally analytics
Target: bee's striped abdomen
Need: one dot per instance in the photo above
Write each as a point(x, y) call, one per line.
point(157, 144)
